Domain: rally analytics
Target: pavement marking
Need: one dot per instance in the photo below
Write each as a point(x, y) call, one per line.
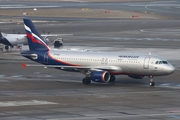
point(170, 85)
point(25, 6)
point(75, 0)
point(4, 81)
point(2, 75)
point(16, 76)
point(107, 117)
point(24, 103)
point(175, 116)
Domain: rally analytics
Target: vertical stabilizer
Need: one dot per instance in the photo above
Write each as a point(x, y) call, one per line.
point(35, 40)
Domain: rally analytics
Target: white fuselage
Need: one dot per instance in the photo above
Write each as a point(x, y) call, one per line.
point(97, 66)
point(115, 63)
point(16, 39)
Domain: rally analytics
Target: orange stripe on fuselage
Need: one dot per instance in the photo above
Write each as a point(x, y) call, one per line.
point(65, 63)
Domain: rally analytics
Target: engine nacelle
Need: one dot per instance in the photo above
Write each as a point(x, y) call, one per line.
point(100, 76)
point(136, 76)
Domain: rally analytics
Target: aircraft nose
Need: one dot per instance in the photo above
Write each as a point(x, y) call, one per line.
point(170, 69)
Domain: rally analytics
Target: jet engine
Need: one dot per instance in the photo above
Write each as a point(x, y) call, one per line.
point(136, 76)
point(100, 76)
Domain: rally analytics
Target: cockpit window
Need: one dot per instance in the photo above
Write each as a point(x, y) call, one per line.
point(165, 62)
point(161, 62)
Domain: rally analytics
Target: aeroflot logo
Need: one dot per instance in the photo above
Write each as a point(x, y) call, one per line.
point(128, 56)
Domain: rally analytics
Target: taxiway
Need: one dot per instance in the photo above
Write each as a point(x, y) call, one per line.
point(36, 93)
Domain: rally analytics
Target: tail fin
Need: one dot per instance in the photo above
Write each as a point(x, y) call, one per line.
point(35, 40)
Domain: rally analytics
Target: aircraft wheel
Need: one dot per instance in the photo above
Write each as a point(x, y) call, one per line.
point(6, 47)
point(152, 83)
point(86, 81)
point(112, 79)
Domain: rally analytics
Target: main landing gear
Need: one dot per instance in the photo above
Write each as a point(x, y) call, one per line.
point(112, 79)
point(86, 80)
point(152, 83)
point(6, 47)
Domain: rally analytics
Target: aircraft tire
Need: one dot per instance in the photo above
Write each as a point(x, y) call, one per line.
point(112, 79)
point(6, 47)
point(86, 81)
point(152, 83)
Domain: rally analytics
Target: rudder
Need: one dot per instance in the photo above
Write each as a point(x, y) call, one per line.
point(35, 39)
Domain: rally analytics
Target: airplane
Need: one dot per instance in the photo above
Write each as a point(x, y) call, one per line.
point(11, 40)
point(96, 66)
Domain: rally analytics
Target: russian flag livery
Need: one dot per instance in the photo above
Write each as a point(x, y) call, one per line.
point(96, 66)
point(35, 40)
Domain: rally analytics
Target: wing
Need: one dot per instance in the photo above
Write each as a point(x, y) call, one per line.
point(78, 68)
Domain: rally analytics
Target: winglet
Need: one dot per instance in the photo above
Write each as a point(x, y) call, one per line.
point(23, 65)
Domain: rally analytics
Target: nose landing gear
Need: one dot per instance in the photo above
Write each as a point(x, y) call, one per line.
point(152, 83)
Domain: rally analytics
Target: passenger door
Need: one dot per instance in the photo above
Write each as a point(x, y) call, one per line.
point(146, 63)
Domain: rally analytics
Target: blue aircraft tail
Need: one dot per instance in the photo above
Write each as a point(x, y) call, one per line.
point(35, 40)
